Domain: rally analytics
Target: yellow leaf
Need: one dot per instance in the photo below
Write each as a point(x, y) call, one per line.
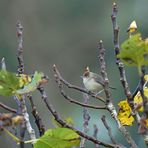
point(146, 77)
point(24, 80)
point(125, 120)
point(138, 99)
point(124, 114)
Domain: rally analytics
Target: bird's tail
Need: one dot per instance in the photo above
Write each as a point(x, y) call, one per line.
point(113, 88)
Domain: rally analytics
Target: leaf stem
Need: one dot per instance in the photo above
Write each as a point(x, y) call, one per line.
point(139, 70)
point(30, 141)
point(11, 135)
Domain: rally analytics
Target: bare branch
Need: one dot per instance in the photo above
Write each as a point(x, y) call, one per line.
point(26, 119)
point(145, 105)
point(22, 134)
point(109, 103)
point(64, 124)
point(20, 48)
point(145, 99)
point(95, 134)
point(129, 95)
point(20, 70)
point(86, 118)
point(118, 61)
point(37, 117)
point(8, 108)
point(26, 124)
point(103, 72)
point(108, 129)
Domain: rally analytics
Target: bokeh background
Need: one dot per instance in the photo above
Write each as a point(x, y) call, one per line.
point(65, 33)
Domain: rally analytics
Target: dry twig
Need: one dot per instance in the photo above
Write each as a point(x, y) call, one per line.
point(64, 124)
point(108, 129)
point(109, 103)
point(37, 117)
point(8, 108)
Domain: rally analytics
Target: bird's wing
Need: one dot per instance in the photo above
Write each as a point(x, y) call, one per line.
point(98, 79)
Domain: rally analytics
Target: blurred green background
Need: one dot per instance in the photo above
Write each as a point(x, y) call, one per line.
point(65, 33)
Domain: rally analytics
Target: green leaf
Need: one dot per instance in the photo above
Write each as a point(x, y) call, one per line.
point(58, 138)
point(134, 51)
point(9, 83)
point(32, 86)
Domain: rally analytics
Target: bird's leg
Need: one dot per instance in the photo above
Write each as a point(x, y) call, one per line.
point(99, 92)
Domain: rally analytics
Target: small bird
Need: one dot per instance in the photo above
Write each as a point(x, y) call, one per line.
point(93, 82)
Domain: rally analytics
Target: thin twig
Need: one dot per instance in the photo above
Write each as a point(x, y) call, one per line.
point(103, 72)
point(86, 118)
point(20, 70)
point(109, 103)
point(20, 48)
point(145, 99)
point(22, 135)
point(8, 108)
point(120, 64)
point(95, 133)
point(74, 86)
point(108, 129)
point(26, 119)
point(129, 95)
point(37, 117)
point(64, 124)
point(145, 104)
point(73, 100)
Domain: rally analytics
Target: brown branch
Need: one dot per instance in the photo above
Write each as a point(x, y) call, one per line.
point(64, 124)
point(20, 48)
point(142, 82)
point(37, 117)
point(109, 103)
point(129, 95)
point(86, 118)
point(55, 69)
point(103, 72)
point(108, 129)
point(20, 70)
point(145, 106)
point(8, 108)
point(118, 61)
point(73, 100)
point(25, 114)
point(22, 135)
point(95, 132)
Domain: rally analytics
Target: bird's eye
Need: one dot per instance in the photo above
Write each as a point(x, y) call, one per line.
point(86, 74)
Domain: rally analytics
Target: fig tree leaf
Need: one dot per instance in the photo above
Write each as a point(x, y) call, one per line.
point(9, 83)
point(134, 51)
point(58, 138)
point(32, 86)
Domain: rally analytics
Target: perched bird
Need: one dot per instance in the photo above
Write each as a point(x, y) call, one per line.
point(92, 81)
